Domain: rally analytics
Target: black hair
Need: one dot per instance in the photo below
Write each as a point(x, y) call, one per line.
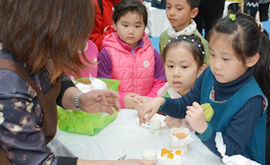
point(126, 6)
point(193, 3)
point(192, 43)
point(247, 40)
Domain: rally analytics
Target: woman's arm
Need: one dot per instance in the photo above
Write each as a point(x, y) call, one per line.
point(92, 102)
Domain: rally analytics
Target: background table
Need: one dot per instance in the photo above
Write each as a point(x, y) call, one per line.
point(125, 136)
point(157, 21)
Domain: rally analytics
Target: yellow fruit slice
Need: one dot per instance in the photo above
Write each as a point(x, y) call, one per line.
point(208, 111)
point(177, 152)
point(164, 151)
point(170, 155)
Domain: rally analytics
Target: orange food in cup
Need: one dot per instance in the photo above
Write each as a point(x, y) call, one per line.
point(180, 135)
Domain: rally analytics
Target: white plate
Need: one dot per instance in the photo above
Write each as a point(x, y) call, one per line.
point(155, 117)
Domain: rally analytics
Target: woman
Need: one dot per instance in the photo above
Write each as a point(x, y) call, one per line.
point(40, 39)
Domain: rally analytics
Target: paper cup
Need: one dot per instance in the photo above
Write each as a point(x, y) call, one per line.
point(179, 141)
point(155, 127)
point(150, 154)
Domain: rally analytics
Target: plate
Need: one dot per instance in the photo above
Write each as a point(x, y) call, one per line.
point(155, 117)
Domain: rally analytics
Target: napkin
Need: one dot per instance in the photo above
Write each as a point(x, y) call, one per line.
point(96, 84)
point(177, 159)
point(231, 160)
point(178, 143)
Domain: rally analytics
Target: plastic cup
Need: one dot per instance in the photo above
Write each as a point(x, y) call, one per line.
point(150, 154)
point(155, 127)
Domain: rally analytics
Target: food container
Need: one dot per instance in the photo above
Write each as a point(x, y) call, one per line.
point(180, 138)
point(83, 122)
point(171, 157)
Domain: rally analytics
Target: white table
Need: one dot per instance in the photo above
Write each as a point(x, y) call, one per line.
point(125, 136)
point(157, 21)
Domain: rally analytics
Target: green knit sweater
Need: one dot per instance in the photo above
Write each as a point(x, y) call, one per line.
point(164, 39)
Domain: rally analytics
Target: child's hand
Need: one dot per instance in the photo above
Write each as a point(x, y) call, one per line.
point(129, 101)
point(173, 122)
point(139, 101)
point(151, 106)
point(195, 117)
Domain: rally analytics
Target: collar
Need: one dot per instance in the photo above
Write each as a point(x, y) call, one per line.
point(235, 85)
point(128, 47)
point(190, 29)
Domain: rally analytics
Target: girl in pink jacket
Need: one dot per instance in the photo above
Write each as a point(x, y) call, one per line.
point(128, 55)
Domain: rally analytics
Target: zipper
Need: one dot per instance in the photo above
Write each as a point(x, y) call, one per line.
point(135, 72)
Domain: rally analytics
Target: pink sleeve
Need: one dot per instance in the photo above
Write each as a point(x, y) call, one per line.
point(121, 99)
point(156, 86)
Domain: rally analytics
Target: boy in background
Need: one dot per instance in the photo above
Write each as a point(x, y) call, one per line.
point(180, 14)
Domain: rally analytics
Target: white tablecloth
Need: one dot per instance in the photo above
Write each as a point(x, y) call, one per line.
point(157, 21)
point(125, 136)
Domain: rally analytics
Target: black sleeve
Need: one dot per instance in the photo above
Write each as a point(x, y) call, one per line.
point(67, 161)
point(65, 84)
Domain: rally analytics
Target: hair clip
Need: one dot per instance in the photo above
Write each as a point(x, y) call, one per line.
point(192, 41)
point(232, 17)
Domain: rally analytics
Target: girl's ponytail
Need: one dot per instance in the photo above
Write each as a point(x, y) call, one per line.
point(262, 72)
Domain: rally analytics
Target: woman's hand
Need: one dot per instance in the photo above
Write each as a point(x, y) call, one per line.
point(99, 101)
point(151, 106)
point(173, 122)
point(195, 117)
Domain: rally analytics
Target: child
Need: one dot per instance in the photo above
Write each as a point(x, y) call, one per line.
point(103, 20)
point(183, 63)
point(127, 55)
point(180, 13)
point(235, 85)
